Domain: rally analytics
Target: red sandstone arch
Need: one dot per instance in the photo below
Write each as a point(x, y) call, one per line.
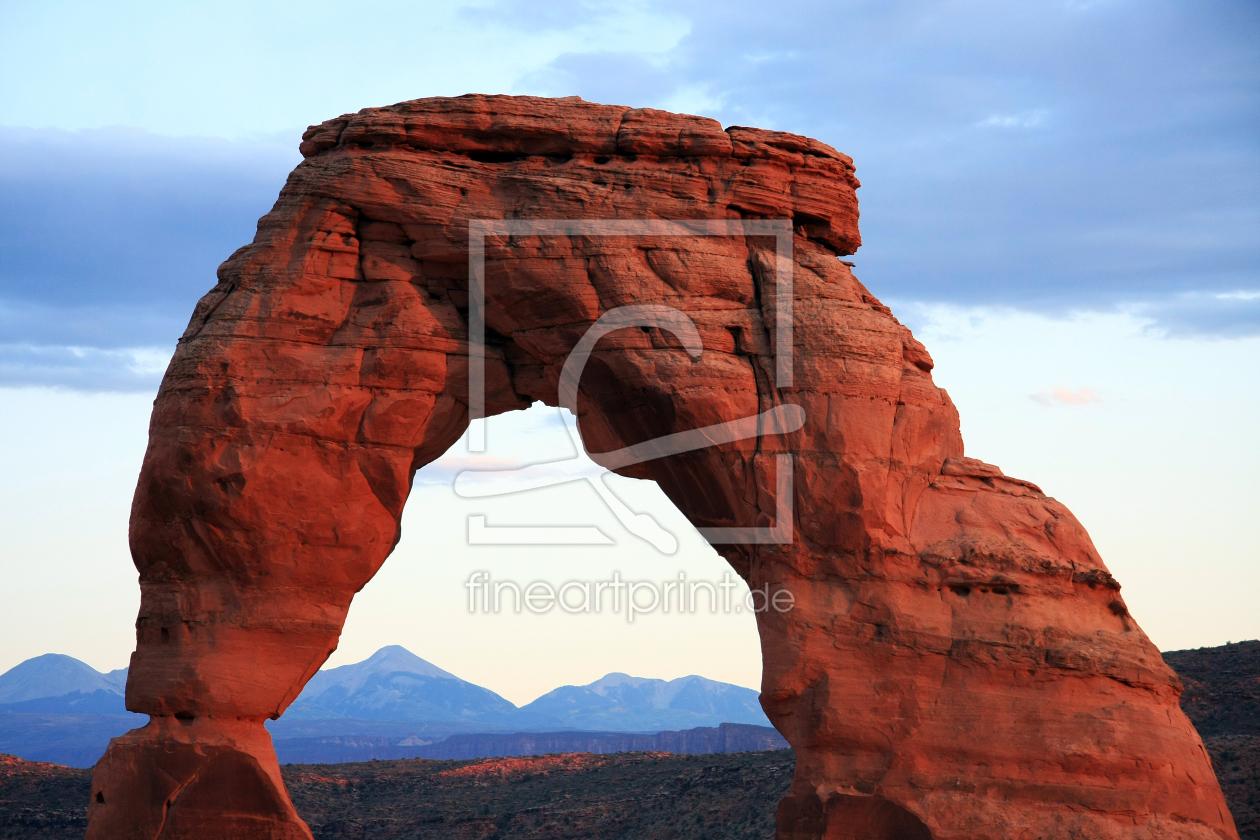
point(959, 663)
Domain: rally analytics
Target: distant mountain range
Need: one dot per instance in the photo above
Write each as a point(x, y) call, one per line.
point(59, 684)
point(395, 684)
point(701, 740)
point(56, 708)
point(621, 703)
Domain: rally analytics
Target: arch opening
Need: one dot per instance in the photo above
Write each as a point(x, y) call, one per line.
point(525, 512)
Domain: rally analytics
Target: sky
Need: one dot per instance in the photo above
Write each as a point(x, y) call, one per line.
point(1062, 199)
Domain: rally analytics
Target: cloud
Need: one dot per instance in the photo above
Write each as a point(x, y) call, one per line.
point(1062, 396)
point(127, 369)
point(118, 217)
point(104, 325)
point(443, 471)
point(1204, 314)
point(477, 476)
point(1046, 156)
point(489, 475)
point(236, 67)
point(1041, 156)
point(1030, 119)
point(109, 237)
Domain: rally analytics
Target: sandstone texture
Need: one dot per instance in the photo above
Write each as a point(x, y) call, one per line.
point(959, 662)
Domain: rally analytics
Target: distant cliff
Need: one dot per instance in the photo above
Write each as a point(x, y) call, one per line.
point(704, 740)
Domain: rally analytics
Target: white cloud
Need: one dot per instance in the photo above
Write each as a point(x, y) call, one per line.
point(1062, 396)
point(1028, 119)
point(693, 99)
point(475, 476)
point(125, 369)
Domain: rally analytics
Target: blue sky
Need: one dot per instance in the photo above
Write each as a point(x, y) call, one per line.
point(1038, 177)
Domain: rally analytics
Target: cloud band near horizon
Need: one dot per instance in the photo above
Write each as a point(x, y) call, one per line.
point(1048, 157)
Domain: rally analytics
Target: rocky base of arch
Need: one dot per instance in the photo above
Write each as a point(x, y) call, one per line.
point(192, 780)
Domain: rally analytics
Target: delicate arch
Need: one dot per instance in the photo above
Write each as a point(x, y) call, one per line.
point(953, 629)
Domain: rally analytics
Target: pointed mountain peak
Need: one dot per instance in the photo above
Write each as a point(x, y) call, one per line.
point(393, 658)
point(620, 702)
point(616, 680)
point(53, 675)
point(395, 684)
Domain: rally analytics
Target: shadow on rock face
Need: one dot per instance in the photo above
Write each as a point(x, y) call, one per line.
point(848, 817)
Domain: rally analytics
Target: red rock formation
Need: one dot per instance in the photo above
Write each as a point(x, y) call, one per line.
point(958, 664)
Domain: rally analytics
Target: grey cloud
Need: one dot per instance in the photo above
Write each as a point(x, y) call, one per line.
point(1048, 156)
point(107, 240)
point(153, 323)
point(129, 369)
point(1051, 156)
point(120, 218)
point(1203, 315)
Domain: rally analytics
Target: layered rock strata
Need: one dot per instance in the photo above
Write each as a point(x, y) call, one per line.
point(958, 663)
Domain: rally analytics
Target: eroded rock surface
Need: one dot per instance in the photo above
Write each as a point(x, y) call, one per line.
point(959, 662)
